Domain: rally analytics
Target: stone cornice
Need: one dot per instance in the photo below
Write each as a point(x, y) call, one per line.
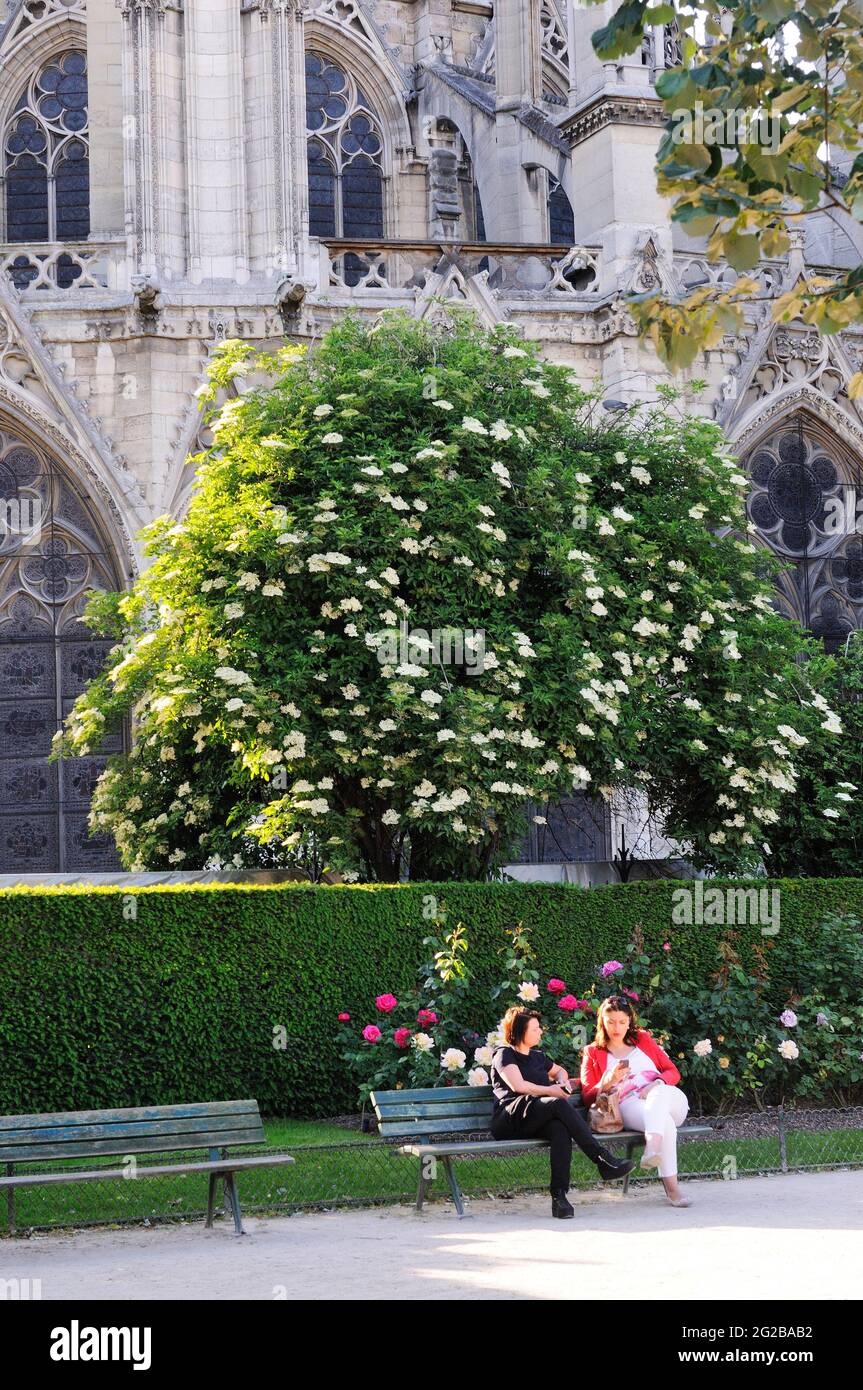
point(612, 110)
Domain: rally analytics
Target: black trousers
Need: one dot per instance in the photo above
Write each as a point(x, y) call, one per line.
point(554, 1119)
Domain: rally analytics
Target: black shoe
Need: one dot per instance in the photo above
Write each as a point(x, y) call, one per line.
point(611, 1168)
point(560, 1205)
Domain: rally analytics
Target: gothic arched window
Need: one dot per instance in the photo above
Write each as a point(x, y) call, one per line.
point(561, 219)
point(345, 154)
point(804, 504)
point(52, 551)
point(46, 164)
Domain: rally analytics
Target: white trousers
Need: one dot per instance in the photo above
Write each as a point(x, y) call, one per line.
point(658, 1115)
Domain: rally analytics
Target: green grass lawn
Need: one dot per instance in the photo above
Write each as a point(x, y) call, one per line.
point(336, 1166)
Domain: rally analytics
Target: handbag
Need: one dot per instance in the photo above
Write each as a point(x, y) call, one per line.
point(604, 1115)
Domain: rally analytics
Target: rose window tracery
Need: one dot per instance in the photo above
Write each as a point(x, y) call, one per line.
point(804, 504)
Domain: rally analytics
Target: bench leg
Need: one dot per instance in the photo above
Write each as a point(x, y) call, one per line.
point(630, 1153)
point(211, 1198)
point(232, 1196)
point(422, 1186)
point(453, 1186)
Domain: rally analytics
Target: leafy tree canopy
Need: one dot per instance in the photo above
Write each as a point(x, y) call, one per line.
point(743, 182)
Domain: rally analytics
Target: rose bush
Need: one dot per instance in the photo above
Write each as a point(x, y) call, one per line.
point(733, 1050)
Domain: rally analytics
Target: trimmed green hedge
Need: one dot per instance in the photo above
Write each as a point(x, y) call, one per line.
point(172, 994)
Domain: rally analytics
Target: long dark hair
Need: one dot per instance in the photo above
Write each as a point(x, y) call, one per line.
point(616, 1003)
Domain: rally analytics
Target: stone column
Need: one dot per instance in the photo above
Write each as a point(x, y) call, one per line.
point(105, 107)
point(517, 213)
point(215, 142)
point(152, 137)
point(288, 79)
point(518, 53)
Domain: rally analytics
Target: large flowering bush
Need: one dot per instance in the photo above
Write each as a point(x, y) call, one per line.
point(453, 482)
point(820, 829)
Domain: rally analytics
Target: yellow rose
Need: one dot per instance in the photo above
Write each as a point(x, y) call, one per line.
point(724, 1062)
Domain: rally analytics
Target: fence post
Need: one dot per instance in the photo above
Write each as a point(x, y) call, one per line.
point(783, 1147)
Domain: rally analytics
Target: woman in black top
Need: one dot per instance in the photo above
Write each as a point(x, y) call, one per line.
point(532, 1101)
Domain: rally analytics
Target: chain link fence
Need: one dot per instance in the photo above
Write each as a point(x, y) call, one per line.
point(366, 1171)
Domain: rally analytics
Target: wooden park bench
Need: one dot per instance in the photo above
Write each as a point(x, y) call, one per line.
point(434, 1118)
point(214, 1126)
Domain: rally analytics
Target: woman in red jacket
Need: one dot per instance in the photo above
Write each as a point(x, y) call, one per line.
point(624, 1058)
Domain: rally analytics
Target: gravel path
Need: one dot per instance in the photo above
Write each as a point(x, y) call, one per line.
point(776, 1237)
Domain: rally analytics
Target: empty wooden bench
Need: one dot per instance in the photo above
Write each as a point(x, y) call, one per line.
point(434, 1118)
point(214, 1127)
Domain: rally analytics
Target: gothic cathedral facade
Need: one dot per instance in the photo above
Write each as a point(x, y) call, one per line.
point(175, 172)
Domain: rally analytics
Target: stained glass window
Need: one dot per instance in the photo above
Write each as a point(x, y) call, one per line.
point(52, 551)
point(803, 503)
point(561, 219)
point(46, 156)
point(345, 154)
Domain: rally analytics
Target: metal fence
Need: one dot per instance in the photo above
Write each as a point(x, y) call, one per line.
point(365, 1171)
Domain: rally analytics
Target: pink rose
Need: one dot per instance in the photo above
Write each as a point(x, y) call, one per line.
point(426, 1016)
point(611, 967)
point(666, 946)
point(568, 1003)
point(585, 1005)
point(556, 987)
point(386, 1003)
point(631, 992)
point(402, 1036)
point(372, 1033)
point(344, 1018)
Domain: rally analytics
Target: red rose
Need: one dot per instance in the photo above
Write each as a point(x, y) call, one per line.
point(556, 987)
point(426, 1016)
point(402, 1036)
point(344, 1018)
point(386, 1003)
point(568, 1003)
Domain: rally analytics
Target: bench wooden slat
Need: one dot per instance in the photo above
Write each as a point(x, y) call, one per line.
point(442, 1112)
point(204, 1109)
point(509, 1145)
point(432, 1095)
point(393, 1129)
point(156, 1143)
point(138, 1129)
point(226, 1165)
point(491, 1146)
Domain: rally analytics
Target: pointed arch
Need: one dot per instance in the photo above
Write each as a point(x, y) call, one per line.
point(55, 547)
point(376, 73)
point(806, 504)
